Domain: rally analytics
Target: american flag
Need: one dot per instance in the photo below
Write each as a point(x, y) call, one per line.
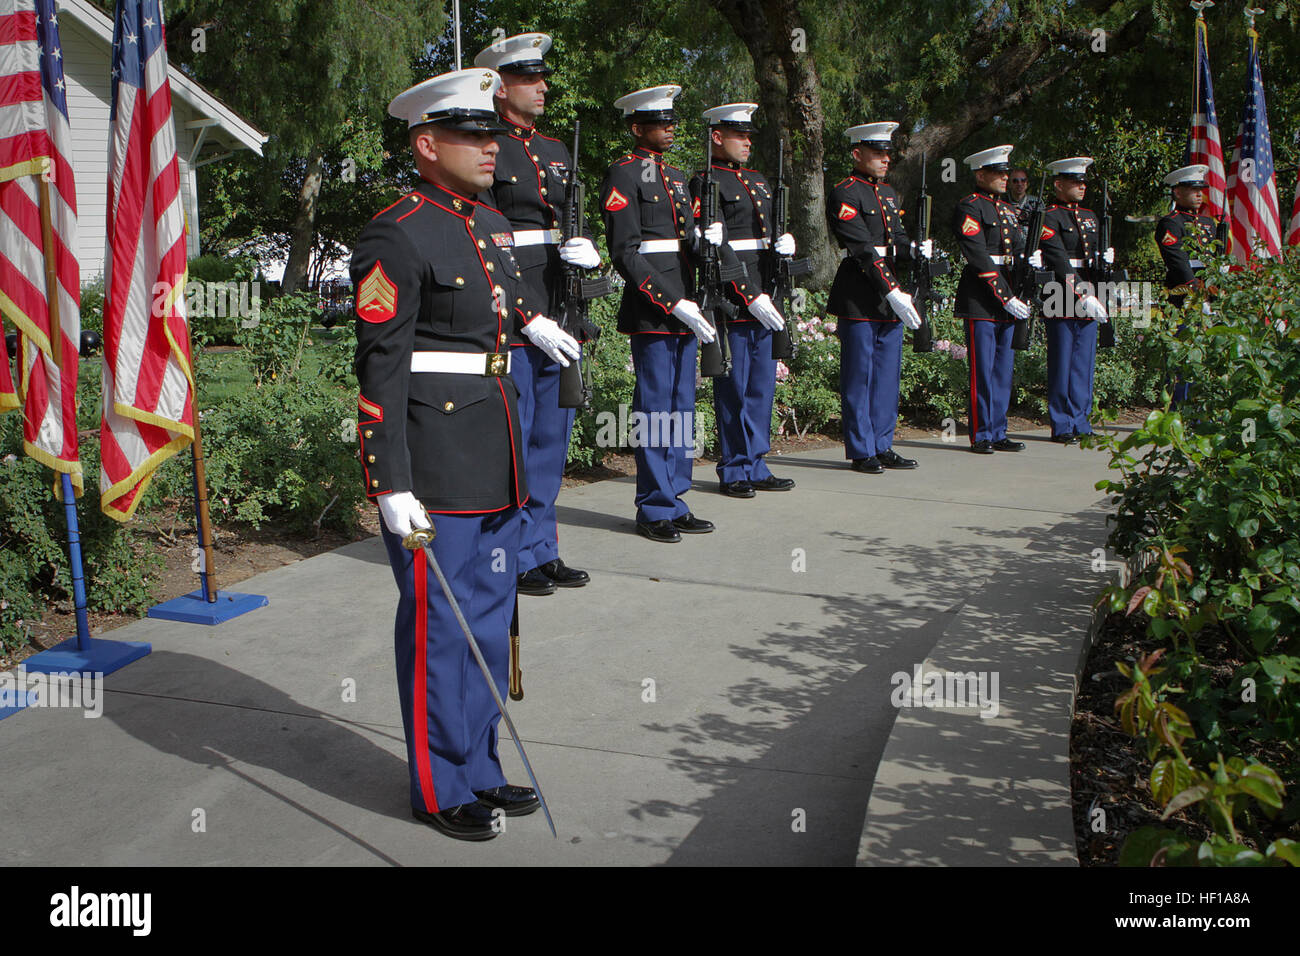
point(148, 383)
point(1252, 183)
point(35, 144)
point(1203, 144)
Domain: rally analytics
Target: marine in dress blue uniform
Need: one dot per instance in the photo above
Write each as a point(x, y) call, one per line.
point(1073, 308)
point(871, 307)
point(531, 173)
point(742, 400)
point(1176, 231)
point(986, 231)
point(438, 303)
point(652, 243)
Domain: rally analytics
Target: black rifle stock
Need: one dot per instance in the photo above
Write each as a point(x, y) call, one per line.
point(715, 357)
point(571, 294)
point(925, 271)
point(1107, 273)
point(783, 269)
point(1029, 281)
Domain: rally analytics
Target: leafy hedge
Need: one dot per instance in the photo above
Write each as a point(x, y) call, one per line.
point(1207, 495)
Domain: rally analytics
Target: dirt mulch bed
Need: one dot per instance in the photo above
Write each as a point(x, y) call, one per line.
point(1109, 769)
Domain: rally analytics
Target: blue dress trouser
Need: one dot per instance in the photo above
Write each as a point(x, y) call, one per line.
point(664, 398)
point(1071, 356)
point(988, 350)
point(742, 402)
point(546, 429)
point(448, 713)
point(870, 363)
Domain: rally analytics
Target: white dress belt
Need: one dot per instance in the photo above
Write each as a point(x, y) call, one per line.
point(749, 245)
point(537, 237)
point(1002, 260)
point(1078, 263)
point(458, 363)
point(658, 245)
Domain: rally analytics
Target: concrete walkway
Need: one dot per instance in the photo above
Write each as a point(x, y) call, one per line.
point(772, 735)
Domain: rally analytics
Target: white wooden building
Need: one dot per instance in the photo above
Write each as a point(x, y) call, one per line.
point(206, 129)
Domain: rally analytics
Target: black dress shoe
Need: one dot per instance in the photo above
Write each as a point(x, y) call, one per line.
point(868, 466)
point(1071, 439)
point(892, 459)
point(469, 821)
point(736, 489)
point(515, 801)
point(772, 483)
point(690, 524)
point(658, 531)
point(1008, 444)
point(535, 582)
point(564, 576)
point(982, 447)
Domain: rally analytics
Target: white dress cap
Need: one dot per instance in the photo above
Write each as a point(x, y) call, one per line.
point(996, 158)
point(652, 103)
point(461, 100)
point(875, 135)
point(517, 54)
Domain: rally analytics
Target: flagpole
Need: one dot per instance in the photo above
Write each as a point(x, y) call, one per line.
point(201, 513)
point(56, 355)
point(455, 18)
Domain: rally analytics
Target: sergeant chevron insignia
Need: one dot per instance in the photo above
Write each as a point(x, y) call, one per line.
point(970, 226)
point(1048, 232)
point(1169, 239)
point(615, 201)
point(377, 296)
point(847, 211)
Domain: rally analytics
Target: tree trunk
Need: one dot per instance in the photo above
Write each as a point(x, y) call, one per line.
point(304, 223)
point(791, 108)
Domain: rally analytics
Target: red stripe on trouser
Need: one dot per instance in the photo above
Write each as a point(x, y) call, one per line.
point(420, 693)
point(974, 396)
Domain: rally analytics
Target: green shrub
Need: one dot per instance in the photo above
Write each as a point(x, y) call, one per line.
point(215, 320)
point(273, 344)
point(286, 451)
point(1208, 492)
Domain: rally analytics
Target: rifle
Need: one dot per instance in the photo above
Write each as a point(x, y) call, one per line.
point(925, 271)
point(715, 358)
point(1028, 282)
point(571, 294)
point(1108, 274)
point(783, 268)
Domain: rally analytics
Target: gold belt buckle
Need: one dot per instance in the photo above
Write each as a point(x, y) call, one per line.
point(496, 364)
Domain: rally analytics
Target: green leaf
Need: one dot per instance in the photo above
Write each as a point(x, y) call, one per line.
point(1189, 796)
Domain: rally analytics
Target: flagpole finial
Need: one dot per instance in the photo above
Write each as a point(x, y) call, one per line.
point(1199, 6)
point(1251, 14)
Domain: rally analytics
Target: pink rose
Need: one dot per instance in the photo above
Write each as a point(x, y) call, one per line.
point(959, 353)
point(782, 371)
point(830, 327)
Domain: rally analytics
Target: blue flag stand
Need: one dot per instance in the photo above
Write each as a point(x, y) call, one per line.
point(205, 605)
point(82, 654)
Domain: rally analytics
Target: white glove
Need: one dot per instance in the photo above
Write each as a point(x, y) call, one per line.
point(1017, 308)
point(402, 514)
point(766, 313)
point(1091, 307)
point(926, 249)
point(690, 313)
point(784, 245)
point(902, 305)
point(1108, 256)
point(712, 235)
point(579, 252)
point(1036, 260)
point(553, 340)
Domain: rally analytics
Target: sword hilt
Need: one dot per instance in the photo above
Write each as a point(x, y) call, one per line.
point(418, 538)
